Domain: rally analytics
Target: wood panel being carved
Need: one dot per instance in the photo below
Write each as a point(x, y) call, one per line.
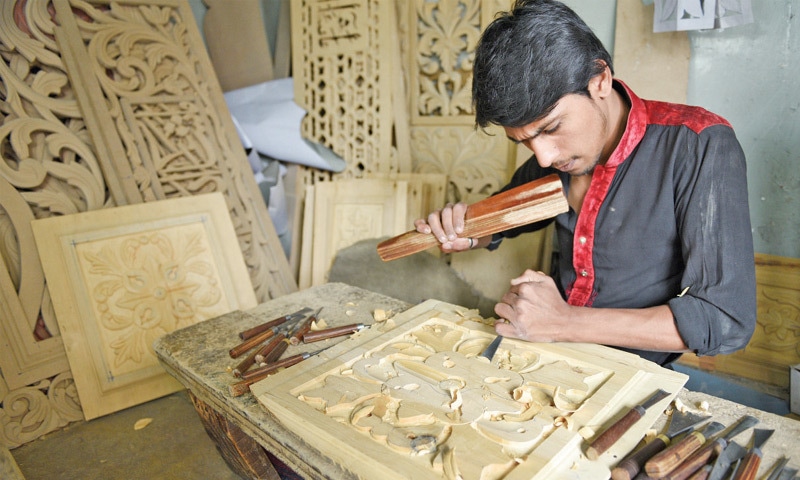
point(123, 277)
point(418, 400)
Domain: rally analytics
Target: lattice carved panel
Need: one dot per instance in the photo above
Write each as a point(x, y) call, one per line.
point(439, 40)
point(143, 76)
point(341, 55)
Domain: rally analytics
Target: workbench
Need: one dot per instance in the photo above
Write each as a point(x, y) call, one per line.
point(198, 357)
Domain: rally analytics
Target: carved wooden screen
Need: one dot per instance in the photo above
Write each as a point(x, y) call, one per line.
point(115, 103)
point(341, 55)
point(417, 401)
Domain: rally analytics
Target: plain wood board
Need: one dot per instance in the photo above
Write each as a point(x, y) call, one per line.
point(121, 277)
point(351, 210)
point(623, 381)
point(654, 65)
point(237, 43)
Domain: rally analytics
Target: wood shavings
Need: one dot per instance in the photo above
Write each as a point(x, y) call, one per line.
point(703, 406)
point(679, 405)
point(318, 324)
point(380, 315)
point(141, 423)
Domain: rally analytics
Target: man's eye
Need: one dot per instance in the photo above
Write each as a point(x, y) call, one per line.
point(551, 130)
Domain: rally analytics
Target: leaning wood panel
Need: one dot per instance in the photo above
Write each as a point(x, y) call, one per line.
point(418, 401)
point(351, 210)
point(143, 75)
point(122, 277)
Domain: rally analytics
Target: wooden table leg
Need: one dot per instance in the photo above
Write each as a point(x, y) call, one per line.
point(243, 454)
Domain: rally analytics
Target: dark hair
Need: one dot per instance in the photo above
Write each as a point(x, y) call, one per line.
point(530, 57)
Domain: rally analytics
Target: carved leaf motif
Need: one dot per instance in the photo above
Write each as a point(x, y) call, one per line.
point(448, 31)
point(147, 284)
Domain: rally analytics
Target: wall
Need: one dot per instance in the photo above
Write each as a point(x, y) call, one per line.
point(748, 74)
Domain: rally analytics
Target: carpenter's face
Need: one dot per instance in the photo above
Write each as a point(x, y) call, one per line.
point(573, 137)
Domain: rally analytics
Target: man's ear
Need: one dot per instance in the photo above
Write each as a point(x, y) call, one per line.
point(601, 85)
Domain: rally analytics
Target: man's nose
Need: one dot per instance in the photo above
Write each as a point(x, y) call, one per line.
point(545, 151)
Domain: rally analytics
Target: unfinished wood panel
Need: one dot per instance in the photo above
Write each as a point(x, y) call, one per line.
point(418, 400)
point(237, 43)
point(426, 193)
point(775, 345)
point(154, 105)
point(122, 277)
point(351, 210)
point(654, 65)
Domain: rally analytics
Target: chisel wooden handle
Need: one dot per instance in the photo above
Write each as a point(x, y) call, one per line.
point(666, 461)
point(251, 342)
point(702, 474)
point(749, 467)
point(332, 332)
point(270, 347)
point(274, 354)
point(633, 463)
point(614, 432)
point(696, 461)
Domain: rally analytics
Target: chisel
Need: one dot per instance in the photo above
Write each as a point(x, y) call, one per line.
point(666, 461)
point(749, 466)
point(701, 457)
point(610, 436)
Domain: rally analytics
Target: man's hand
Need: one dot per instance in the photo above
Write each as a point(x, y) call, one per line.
point(533, 309)
point(447, 225)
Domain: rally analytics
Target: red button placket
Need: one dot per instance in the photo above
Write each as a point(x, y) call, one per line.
point(582, 292)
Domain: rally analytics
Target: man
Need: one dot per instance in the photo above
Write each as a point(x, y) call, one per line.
point(656, 249)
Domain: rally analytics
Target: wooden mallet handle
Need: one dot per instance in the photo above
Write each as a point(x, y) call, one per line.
point(532, 202)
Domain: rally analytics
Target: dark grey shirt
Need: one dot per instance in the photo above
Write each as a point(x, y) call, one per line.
point(667, 212)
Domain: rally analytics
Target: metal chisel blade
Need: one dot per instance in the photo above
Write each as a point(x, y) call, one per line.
point(492, 348)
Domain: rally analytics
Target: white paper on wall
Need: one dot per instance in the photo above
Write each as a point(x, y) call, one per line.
point(680, 15)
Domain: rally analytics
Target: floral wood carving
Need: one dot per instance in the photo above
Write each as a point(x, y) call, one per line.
point(29, 412)
point(158, 112)
point(440, 39)
point(123, 277)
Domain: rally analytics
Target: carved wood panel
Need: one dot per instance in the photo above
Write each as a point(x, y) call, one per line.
point(417, 401)
point(341, 53)
point(775, 344)
point(122, 277)
point(91, 107)
point(351, 210)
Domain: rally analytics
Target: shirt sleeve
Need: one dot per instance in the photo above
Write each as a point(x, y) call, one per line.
point(717, 314)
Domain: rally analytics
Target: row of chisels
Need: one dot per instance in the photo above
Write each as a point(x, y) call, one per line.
point(693, 447)
point(264, 345)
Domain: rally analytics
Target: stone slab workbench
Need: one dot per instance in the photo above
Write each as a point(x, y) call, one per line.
point(198, 357)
